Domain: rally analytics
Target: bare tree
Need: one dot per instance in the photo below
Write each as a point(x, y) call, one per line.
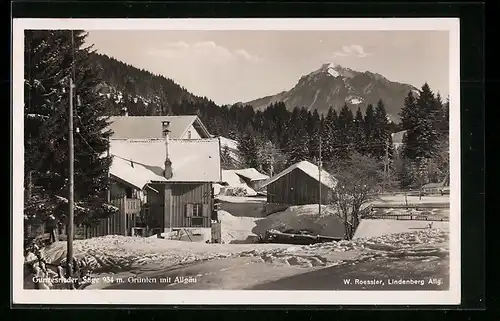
point(357, 180)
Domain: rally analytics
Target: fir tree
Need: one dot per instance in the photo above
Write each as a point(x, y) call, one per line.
point(380, 136)
point(298, 149)
point(345, 130)
point(329, 135)
point(314, 135)
point(369, 122)
point(49, 56)
point(248, 149)
point(420, 120)
point(359, 133)
point(227, 161)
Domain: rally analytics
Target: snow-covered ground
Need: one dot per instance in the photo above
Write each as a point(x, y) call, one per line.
point(114, 253)
point(121, 254)
point(135, 255)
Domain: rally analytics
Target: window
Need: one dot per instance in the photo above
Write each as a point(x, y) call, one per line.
point(194, 210)
point(128, 192)
point(194, 213)
point(189, 134)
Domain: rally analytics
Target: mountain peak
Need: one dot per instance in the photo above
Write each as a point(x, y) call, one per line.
point(327, 65)
point(330, 68)
point(334, 85)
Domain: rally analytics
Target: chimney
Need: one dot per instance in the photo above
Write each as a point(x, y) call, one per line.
point(165, 128)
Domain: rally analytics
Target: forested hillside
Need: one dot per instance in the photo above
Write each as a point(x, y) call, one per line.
point(270, 139)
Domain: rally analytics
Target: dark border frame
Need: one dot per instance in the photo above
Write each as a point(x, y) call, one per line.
point(472, 31)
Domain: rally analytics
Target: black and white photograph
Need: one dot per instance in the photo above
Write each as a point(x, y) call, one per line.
point(276, 161)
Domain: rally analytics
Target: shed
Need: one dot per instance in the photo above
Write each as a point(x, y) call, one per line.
point(300, 184)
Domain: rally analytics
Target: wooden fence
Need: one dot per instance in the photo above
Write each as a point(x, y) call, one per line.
point(119, 223)
point(407, 212)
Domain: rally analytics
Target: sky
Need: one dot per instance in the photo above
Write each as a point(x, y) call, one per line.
point(240, 66)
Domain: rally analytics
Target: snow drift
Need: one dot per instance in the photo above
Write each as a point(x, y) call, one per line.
point(304, 218)
point(236, 229)
point(115, 253)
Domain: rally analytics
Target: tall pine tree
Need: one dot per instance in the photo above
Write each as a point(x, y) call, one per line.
point(329, 135)
point(380, 136)
point(359, 133)
point(369, 121)
point(314, 135)
point(51, 60)
point(419, 118)
point(345, 132)
point(248, 149)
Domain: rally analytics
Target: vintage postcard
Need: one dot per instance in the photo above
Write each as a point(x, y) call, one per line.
point(236, 161)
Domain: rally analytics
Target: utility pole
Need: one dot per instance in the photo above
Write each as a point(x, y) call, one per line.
point(386, 162)
point(71, 199)
point(319, 178)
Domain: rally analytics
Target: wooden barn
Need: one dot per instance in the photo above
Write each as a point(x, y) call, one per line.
point(300, 184)
point(176, 176)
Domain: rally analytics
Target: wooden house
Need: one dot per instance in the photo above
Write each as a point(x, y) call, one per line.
point(175, 175)
point(300, 184)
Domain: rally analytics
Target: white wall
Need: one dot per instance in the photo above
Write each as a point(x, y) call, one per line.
point(194, 133)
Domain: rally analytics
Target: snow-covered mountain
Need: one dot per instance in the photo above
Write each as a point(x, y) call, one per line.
point(334, 85)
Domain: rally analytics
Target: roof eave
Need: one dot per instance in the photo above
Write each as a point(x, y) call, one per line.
point(121, 180)
point(202, 126)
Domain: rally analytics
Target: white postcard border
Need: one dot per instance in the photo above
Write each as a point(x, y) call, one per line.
point(226, 297)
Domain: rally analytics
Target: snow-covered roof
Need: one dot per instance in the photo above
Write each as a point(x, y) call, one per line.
point(133, 173)
point(310, 169)
point(252, 174)
point(142, 127)
point(193, 160)
point(230, 177)
point(233, 180)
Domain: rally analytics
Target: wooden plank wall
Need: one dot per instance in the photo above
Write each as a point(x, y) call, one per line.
point(183, 194)
point(119, 223)
point(296, 188)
